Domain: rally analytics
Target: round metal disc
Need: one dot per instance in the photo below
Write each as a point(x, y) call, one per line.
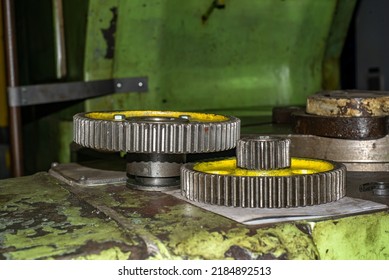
point(350, 103)
point(356, 128)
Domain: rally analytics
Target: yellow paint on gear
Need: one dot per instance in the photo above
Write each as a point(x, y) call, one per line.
point(298, 166)
point(199, 117)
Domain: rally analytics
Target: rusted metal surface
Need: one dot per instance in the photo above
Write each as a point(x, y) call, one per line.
point(350, 103)
point(358, 128)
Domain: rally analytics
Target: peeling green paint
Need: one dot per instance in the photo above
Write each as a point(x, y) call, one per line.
point(357, 237)
point(283, 242)
point(113, 253)
point(49, 223)
point(42, 218)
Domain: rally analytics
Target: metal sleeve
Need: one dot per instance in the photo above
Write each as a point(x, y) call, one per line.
point(263, 153)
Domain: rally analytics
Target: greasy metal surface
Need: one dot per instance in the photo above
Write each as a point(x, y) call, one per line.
point(51, 220)
point(263, 152)
point(357, 128)
point(350, 103)
point(306, 182)
point(202, 133)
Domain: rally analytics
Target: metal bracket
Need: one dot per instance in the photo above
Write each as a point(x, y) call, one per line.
point(60, 92)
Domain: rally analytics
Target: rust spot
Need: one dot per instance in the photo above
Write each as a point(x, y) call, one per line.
point(304, 228)
point(238, 253)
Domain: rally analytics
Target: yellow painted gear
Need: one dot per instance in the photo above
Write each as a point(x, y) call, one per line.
point(167, 132)
point(298, 166)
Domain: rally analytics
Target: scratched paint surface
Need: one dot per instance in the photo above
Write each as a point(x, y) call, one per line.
point(43, 218)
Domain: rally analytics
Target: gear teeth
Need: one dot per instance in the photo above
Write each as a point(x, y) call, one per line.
point(263, 191)
point(263, 153)
point(145, 137)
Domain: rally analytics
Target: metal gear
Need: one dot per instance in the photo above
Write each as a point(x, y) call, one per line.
point(263, 153)
point(156, 131)
point(156, 142)
point(306, 182)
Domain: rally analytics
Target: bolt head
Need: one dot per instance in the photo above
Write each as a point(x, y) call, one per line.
point(119, 117)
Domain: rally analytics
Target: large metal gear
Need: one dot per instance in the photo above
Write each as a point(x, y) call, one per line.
point(306, 182)
point(156, 131)
point(156, 142)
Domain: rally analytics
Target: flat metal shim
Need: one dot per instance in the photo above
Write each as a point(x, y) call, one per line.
point(60, 92)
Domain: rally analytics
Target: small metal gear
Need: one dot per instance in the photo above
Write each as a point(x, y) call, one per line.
point(263, 153)
point(306, 182)
point(156, 142)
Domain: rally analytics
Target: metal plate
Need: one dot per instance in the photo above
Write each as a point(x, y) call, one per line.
point(60, 92)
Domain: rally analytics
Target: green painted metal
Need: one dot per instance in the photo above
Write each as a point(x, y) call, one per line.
point(335, 42)
point(43, 218)
point(48, 139)
point(345, 239)
point(243, 60)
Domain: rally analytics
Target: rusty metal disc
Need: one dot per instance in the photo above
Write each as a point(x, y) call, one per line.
point(350, 103)
point(357, 128)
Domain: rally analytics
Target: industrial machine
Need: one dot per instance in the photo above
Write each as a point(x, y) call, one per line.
point(192, 131)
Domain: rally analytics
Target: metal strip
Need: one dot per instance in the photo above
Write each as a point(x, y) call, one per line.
point(60, 92)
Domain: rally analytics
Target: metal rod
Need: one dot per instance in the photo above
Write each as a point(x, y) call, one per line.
point(59, 36)
point(12, 81)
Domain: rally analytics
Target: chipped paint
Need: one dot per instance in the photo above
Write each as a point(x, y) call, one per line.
point(43, 221)
point(42, 218)
point(357, 237)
